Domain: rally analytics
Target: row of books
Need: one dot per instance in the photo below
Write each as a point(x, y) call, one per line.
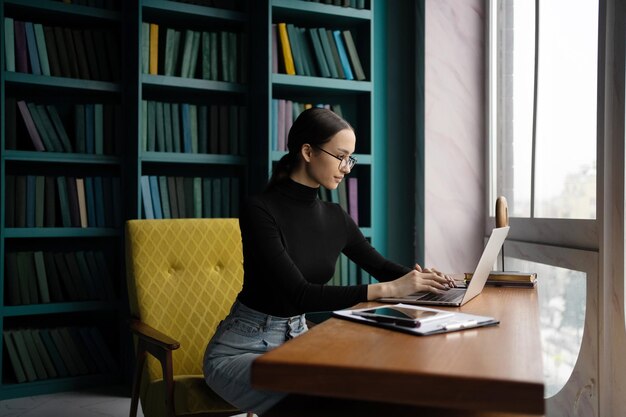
point(189, 197)
point(315, 52)
point(190, 128)
point(46, 201)
point(44, 353)
point(217, 56)
point(355, 4)
point(346, 195)
point(284, 113)
point(221, 4)
point(61, 51)
point(53, 277)
point(82, 128)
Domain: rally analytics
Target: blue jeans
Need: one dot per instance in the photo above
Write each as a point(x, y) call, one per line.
point(244, 335)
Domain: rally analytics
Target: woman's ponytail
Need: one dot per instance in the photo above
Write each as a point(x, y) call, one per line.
point(282, 169)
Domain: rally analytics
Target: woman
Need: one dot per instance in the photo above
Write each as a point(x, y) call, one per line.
point(291, 242)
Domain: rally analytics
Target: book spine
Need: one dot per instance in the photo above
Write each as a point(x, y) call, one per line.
point(328, 54)
point(146, 197)
point(31, 44)
point(354, 56)
point(18, 369)
point(156, 198)
point(342, 55)
point(9, 44)
point(154, 49)
point(30, 126)
point(49, 202)
point(286, 49)
point(41, 49)
point(21, 49)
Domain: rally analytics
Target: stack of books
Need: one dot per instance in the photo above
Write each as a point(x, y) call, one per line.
point(508, 279)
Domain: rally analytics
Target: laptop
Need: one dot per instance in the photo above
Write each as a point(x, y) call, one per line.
point(456, 297)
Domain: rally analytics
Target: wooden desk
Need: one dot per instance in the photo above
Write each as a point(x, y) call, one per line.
point(493, 369)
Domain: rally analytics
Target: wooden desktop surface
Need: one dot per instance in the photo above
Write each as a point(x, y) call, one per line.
point(493, 369)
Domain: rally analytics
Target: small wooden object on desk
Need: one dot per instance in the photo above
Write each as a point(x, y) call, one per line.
point(507, 278)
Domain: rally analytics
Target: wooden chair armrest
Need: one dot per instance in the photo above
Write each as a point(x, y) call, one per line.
point(153, 336)
point(160, 346)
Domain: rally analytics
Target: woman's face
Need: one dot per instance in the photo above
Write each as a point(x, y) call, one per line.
point(323, 166)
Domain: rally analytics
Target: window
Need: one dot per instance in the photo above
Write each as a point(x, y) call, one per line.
point(550, 173)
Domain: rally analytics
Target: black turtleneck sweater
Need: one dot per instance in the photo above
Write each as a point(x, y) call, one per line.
point(291, 242)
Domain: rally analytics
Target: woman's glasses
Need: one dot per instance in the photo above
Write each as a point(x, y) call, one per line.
point(343, 162)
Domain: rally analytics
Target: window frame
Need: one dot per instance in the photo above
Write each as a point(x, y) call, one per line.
point(568, 233)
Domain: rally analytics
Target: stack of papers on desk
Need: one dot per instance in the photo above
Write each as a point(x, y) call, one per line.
point(444, 322)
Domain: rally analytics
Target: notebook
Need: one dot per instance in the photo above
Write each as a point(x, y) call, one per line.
point(459, 296)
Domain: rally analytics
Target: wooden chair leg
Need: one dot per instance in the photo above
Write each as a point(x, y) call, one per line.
point(168, 379)
point(141, 359)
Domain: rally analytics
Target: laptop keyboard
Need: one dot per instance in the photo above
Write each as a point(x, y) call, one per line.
point(450, 295)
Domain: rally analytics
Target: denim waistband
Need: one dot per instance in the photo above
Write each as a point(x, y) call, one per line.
point(267, 319)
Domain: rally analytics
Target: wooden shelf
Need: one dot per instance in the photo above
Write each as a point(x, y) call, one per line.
point(30, 81)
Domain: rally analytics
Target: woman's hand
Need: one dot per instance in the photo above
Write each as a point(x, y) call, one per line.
point(451, 283)
point(417, 280)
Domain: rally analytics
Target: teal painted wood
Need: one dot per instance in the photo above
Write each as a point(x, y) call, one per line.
point(186, 158)
point(58, 8)
point(2, 190)
point(59, 232)
point(378, 71)
point(192, 11)
point(26, 389)
point(328, 14)
point(186, 85)
point(16, 80)
point(321, 85)
point(57, 308)
point(60, 157)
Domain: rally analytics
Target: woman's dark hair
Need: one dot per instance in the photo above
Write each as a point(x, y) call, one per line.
point(314, 126)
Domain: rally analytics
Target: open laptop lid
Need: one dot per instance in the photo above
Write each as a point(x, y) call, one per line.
point(485, 264)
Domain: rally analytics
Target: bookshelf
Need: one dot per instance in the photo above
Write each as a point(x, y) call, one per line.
point(201, 147)
point(135, 98)
point(42, 235)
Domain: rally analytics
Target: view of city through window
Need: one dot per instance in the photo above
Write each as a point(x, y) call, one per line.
point(566, 103)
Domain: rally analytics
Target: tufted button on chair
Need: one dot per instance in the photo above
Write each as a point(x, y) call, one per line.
point(183, 276)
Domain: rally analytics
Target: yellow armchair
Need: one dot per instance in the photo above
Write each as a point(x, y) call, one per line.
point(183, 276)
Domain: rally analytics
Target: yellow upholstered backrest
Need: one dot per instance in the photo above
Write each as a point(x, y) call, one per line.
point(183, 276)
